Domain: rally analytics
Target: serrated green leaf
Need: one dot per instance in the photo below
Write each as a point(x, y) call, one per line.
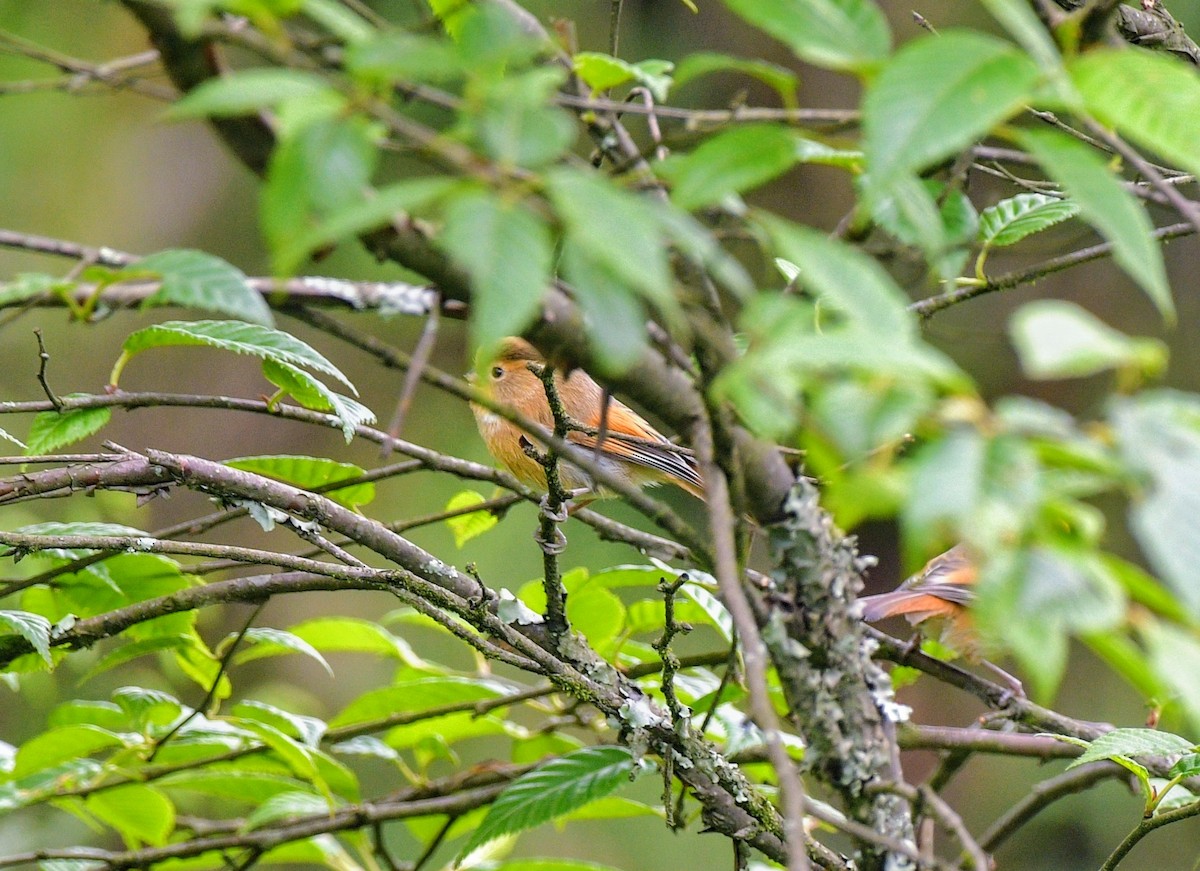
point(1149, 97)
point(472, 525)
point(311, 393)
point(936, 96)
point(507, 251)
point(837, 34)
point(1011, 220)
point(236, 336)
point(32, 627)
point(1058, 339)
point(729, 162)
point(264, 641)
point(312, 473)
point(1108, 207)
point(552, 790)
point(196, 279)
point(142, 814)
point(52, 430)
point(247, 91)
point(1132, 743)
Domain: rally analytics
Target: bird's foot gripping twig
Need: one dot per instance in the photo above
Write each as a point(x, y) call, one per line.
point(549, 537)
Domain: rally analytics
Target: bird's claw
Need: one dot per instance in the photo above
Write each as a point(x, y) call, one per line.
point(558, 514)
point(551, 547)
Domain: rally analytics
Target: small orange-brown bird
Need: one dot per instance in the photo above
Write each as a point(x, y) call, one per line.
point(941, 592)
point(940, 596)
point(629, 447)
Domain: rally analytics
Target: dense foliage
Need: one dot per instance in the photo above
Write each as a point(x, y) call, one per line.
point(564, 192)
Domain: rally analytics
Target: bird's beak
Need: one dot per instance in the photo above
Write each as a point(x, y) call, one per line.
point(470, 376)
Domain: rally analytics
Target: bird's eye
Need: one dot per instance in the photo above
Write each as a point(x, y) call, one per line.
point(497, 372)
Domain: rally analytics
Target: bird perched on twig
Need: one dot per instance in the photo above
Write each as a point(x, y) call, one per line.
point(625, 444)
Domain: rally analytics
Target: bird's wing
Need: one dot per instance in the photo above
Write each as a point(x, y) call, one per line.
point(631, 440)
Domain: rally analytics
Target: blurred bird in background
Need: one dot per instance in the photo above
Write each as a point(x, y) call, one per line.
point(937, 599)
point(625, 444)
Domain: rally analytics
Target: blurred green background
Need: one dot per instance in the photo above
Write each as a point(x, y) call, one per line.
point(102, 168)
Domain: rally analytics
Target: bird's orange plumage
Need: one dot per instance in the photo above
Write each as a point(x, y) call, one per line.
point(941, 593)
point(631, 449)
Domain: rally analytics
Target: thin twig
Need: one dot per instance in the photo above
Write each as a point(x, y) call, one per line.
point(1042, 796)
point(216, 682)
point(417, 363)
point(43, 359)
point(933, 304)
point(1145, 827)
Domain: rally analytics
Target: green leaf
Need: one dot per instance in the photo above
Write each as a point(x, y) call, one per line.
point(322, 167)
point(312, 473)
point(472, 525)
point(507, 251)
point(351, 635)
point(240, 338)
point(1020, 21)
point(837, 34)
point(54, 746)
point(600, 72)
point(1158, 434)
point(1011, 220)
point(32, 627)
point(1108, 207)
point(264, 641)
point(311, 393)
point(936, 96)
point(516, 126)
point(394, 55)
point(140, 813)
point(297, 240)
point(423, 694)
point(732, 161)
point(1149, 97)
point(1175, 656)
point(339, 20)
point(552, 790)
point(616, 229)
point(1058, 339)
point(845, 278)
point(551, 864)
point(52, 430)
point(779, 78)
point(284, 806)
point(615, 316)
point(195, 279)
point(1131, 743)
point(247, 91)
